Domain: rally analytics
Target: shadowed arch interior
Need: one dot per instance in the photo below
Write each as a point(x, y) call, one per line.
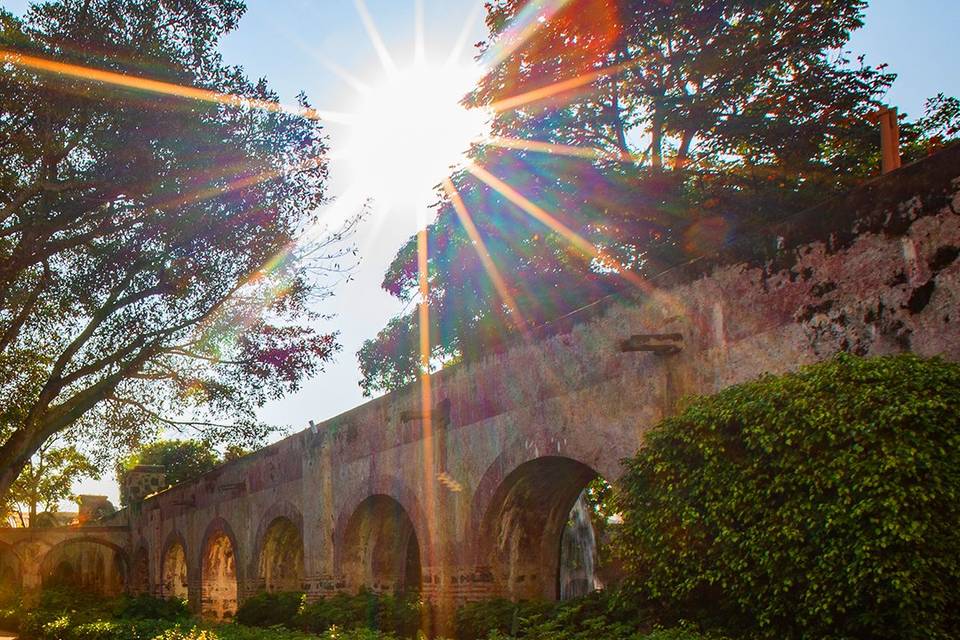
point(174, 572)
point(11, 576)
point(381, 551)
point(281, 556)
point(219, 588)
point(87, 565)
point(521, 531)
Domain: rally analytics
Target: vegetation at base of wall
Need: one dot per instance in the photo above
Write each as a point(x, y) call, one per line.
point(67, 614)
point(239, 632)
point(819, 504)
point(398, 614)
point(602, 615)
point(270, 609)
point(73, 615)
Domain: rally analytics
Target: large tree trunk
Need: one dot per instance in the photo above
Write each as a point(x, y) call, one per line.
point(15, 453)
point(683, 153)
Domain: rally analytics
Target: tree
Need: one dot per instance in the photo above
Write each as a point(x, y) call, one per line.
point(818, 504)
point(150, 269)
point(182, 460)
point(653, 131)
point(48, 479)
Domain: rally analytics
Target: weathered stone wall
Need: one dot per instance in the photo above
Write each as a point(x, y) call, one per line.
point(483, 489)
point(95, 558)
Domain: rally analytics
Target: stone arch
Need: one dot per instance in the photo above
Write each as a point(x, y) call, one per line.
point(11, 570)
point(219, 572)
point(379, 548)
point(279, 549)
point(174, 569)
point(90, 564)
point(140, 572)
point(520, 516)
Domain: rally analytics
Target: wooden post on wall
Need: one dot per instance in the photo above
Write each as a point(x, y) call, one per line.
point(889, 138)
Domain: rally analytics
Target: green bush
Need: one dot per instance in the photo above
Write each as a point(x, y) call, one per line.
point(67, 614)
point(401, 614)
point(819, 504)
point(238, 632)
point(598, 616)
point(10, 609)
point(144, 606)
point(270, 609)
point(475, 621)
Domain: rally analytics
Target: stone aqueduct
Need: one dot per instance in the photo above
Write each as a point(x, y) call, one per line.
point(471, 502)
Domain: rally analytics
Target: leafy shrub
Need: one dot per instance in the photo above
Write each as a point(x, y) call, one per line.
point(597, 616)
point(239, 632)
point(67, 614)
point(475, 620)
point(819, 504)
point(110, 630)
point(10, 609)
point(144, 606)
point(270, 609)
point(399, 614)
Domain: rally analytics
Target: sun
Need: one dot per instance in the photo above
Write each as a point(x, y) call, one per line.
point(411, 129)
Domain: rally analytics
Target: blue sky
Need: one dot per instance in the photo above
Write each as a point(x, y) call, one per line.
point(292, 42)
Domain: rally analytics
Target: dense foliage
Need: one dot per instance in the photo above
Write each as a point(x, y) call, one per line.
point(398, 614)
point(67, 615)
point(818, 504)
point(149, 264)
point(270, 609)
point(47, 480)
point(679, 124)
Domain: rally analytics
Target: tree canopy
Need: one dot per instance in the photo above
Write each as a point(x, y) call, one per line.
point(150, 269)
point(47, 480)
point(651, 130)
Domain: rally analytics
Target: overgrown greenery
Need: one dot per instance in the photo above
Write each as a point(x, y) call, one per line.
point(401, 615)
point(597, 615)
point(818, 504)
point(270, 609)
point(149, 259)
point(47, 480)
point(70, 615)
point(398, 614)
point(692, 121)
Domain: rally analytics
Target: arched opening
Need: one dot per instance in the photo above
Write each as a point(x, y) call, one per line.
point(87, 565)
point(537, 534)
point(174, 573)
point(219, 592)
point(11, 577)
point(140, 573)
point(281, 556)
point(380, 547)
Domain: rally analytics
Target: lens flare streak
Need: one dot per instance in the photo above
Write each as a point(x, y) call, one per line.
point(537, 146)
point(583, 246)
point(524, 25)
point(558, 88)
point(481, 248)
point(426, 393)
point(91, 74)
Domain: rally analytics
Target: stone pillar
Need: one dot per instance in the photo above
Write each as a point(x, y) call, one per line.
point(141, 481)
